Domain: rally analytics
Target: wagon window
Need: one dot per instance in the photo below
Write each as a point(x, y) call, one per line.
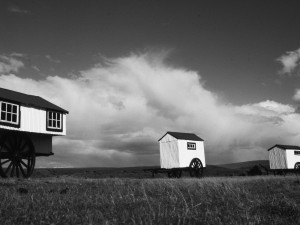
point(191, 146)
point(9, 113)
point(54, 121)
point(297, 153)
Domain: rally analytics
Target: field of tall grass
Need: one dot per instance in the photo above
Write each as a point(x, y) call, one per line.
point(234, 200)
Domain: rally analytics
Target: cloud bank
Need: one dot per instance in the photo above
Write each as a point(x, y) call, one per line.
point(120, 108)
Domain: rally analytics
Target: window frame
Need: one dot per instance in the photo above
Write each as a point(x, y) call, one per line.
point(18, 114)
point(191, 145)
point(54, 128)
point(296, 152)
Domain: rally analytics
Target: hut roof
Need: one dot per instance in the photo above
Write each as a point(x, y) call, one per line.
point(29, 100)
point(285, 147)
point(183, 136)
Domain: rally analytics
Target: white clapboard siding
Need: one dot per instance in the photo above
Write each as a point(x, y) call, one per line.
point(34, 120)
point(185, 155)
point(291, 158)
point(169, 157)
point(277, 158)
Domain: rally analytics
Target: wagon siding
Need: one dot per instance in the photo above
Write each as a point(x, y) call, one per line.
point(292, 159)
point(186, 156)
point(169, 157)
point(34, 120)
point(277, 158)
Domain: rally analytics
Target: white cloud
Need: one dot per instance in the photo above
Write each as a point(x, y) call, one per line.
point(9, 64)
point(297, 95)
point(290, 61)
point(51, 59)
point(120, 109)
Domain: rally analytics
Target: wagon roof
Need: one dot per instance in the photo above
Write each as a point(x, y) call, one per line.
point(183, 136)
point(285, 147)
point(29, 100)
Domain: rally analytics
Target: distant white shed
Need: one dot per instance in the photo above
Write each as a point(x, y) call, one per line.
point(177, 150)
point(284, 156)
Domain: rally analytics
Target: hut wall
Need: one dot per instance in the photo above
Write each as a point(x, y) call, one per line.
point(186, 155)
point(277, 158)
point(169, 157)
point(291, 158)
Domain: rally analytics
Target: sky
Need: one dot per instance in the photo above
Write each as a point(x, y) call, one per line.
point(129, 71)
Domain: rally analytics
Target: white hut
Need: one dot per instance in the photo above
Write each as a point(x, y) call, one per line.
point(177, 150)
point(27, 125)
point(284, 156)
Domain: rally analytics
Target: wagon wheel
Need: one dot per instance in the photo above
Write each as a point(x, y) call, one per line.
point(196, 168)
point(297, 168)
point(17, 155)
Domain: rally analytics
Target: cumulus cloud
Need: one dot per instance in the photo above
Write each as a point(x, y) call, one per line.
point(120, 108)
point(290, 62)
point(10, 64)
point(297, 95)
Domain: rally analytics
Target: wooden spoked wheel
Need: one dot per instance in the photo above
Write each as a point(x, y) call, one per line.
point(17, 155)
point(297, 168)
point(196, 168)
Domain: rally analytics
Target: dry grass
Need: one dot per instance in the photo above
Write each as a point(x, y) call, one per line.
point(240, 200)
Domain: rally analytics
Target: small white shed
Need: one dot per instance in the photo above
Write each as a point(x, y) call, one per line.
point(177, 150)
point(284, 156)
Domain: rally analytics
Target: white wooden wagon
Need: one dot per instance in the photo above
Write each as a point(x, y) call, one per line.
point(27, 125)
point(284, 158)
point(180, 152)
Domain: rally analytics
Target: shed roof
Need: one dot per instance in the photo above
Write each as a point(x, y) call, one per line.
point(183, 136)
point(28, 100)
point(285, 147)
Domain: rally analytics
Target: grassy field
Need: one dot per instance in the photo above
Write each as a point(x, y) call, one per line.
point(73, 200)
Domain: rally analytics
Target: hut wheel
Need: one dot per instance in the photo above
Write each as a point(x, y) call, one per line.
point(196, 168)
point(17, 155)
point(297, 168)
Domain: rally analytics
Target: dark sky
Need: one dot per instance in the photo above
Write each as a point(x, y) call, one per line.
point(235, 46)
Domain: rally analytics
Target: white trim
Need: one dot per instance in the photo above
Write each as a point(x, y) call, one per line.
point(10, 112)
point(56, 119)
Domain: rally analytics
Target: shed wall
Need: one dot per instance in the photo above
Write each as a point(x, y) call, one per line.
point(277, 158)
point(291, 158)
point(186, 155)
point(169, 156)
point(34, 120)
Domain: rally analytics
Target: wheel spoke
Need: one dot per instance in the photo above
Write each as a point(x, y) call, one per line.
point(22, 170)
point(12, 170)
point(9, 166)
point(24, 164)
point(17, 170)
point(2, 163)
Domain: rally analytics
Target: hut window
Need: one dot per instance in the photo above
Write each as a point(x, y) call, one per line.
point(54, 121)
point(191, 146)
point(296, 152)
point(9, 113)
